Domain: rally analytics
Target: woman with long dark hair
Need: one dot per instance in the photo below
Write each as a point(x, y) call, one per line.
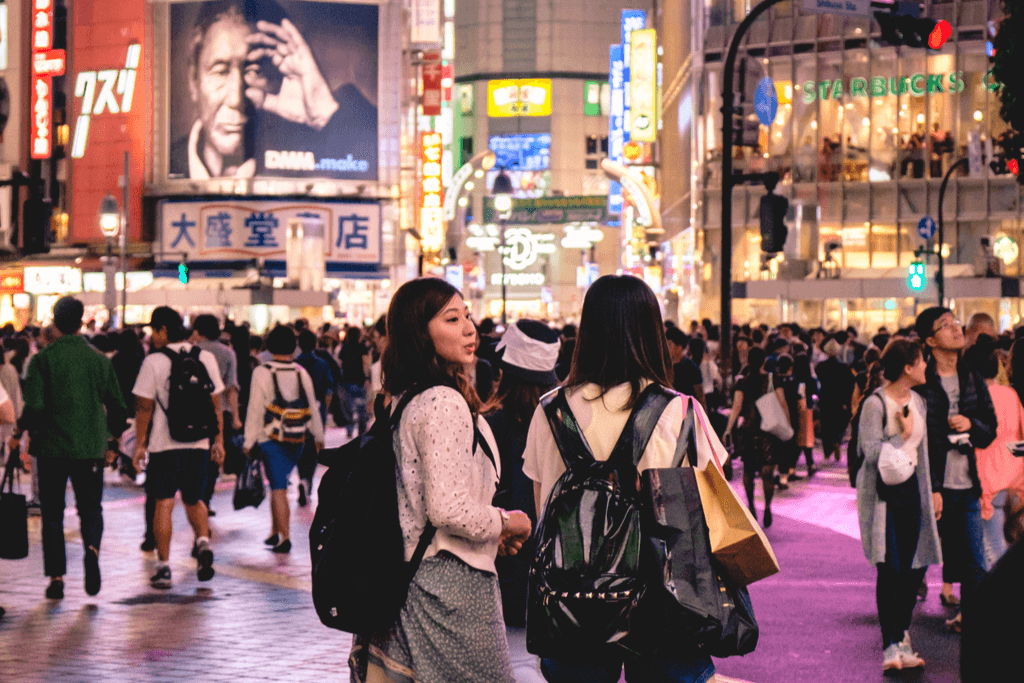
point(759, 450)
point(450, 629)
point(620, 350)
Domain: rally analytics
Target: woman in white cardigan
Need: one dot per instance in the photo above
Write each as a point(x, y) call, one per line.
point(897, 520)
point(450, 629)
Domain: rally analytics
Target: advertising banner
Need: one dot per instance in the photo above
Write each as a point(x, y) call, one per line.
point(425, 22)
point(523, 97)
point(109, 112)
point(431, 192)
point(433, 73)
point(241, 230)
point(643, 86)
point(545, 210)
point(616, 123)
point(522, 152)
point(273, 89)
point(40, 145)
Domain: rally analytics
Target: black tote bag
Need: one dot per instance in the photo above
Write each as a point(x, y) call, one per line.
point(249, 490)
point(688, 599)
point(13, 516)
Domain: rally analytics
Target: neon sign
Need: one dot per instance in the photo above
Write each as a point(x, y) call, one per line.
point(99, 91)
point(431, 193)
point(40, 142)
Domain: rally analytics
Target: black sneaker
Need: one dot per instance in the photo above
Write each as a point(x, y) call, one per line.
point(148, 544)
point(162, 578)
point(55, 591)
point(204, 557)
point(92, 571)
point(302, 494)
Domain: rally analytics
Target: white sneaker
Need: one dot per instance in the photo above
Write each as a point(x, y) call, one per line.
point(909, 658)
point(892, 658)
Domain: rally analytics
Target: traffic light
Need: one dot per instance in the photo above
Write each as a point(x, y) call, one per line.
point(904, 25)
point(773, 222)
point(35, 223)
point(183, 273)
point(916, 278)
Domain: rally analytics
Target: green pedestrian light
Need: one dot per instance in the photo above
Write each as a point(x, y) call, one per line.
point(183, 273)
point(915, 277)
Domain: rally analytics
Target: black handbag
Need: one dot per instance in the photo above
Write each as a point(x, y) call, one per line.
point(13, 516)
point(249, 490)
point(688, 599)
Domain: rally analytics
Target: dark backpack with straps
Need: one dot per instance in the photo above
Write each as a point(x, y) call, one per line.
point(189, 410)
point(854, 457)
point(360, 576)
point(586, 581)
point(285, 421)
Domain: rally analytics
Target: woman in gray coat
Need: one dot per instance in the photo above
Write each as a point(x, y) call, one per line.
point(897, 520)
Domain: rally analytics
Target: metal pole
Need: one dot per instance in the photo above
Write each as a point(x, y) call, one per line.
point(504, 285)
point(124, 239)
point(940, 277)
point(727, 185)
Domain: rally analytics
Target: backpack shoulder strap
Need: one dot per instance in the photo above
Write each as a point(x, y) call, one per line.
point(569, 439)
point(639, 428)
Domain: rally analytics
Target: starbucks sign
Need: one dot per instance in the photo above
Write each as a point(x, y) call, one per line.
point(880, 86)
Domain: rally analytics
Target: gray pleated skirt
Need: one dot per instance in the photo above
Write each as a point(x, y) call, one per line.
point(451, 630)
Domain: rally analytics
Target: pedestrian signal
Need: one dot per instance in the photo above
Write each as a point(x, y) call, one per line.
point(183, 273)
point(916, 278)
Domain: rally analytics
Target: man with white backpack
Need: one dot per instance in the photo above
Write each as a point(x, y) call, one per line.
point(282, 408)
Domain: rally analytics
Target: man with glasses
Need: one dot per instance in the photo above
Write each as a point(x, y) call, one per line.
point(960, 419)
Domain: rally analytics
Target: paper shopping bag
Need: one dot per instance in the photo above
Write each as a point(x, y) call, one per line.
point(737, 541)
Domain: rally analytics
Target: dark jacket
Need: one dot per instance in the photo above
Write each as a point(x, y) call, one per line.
point(975, 404)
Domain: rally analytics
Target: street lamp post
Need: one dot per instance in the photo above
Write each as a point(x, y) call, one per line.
point(940, 276)
point(110, 224)
point(502, 205)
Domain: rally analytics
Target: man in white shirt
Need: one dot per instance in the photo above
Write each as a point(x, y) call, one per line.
point(174, 465)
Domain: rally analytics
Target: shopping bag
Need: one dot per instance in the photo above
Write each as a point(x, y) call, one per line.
point(249, 490)
point(773, 417)
point(737, 541)
point(688, 599)
point(13, 516)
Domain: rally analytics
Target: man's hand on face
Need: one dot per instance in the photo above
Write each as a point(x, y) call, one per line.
point(305, 96)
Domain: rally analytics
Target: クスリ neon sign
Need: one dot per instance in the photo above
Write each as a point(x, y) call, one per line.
point(99, 91)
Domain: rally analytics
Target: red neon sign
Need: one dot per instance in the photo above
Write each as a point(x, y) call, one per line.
point(45, 64)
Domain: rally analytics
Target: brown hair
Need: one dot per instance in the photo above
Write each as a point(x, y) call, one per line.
point(409, 359)
point(897, 355)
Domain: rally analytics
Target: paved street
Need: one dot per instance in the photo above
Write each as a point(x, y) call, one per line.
point(255, 622)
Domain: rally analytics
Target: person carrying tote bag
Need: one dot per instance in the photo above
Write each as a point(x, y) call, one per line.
point(620, 351)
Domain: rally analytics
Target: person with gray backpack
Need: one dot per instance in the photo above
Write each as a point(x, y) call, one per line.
point(282, 410)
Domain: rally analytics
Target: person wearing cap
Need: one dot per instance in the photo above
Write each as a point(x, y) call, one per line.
point(74, 412)
point(527, 353)
point(894, 498)
point(961, 418)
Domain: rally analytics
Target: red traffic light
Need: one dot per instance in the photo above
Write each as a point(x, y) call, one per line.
point(1013, 166)
point(940, 34)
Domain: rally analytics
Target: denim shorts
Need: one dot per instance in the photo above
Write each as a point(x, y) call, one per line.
point(279, 459)
point(182, 470)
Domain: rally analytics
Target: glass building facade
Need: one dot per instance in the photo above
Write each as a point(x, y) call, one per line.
point(864, 134)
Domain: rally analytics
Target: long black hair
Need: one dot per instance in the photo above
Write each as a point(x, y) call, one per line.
point(620, 338)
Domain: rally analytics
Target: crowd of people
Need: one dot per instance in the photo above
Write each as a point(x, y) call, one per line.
point(935, 410)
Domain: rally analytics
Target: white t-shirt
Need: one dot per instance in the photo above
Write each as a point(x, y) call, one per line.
point(917, 431)
point(602, 422)
point(154, 383)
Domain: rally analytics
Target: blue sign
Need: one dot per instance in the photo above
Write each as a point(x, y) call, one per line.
point(616, 123)
point(766, 101)
point(926, 227)
point(632, 20)
point(527, 152)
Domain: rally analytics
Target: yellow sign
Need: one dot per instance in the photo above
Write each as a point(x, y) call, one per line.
point(432, 194)
point(643, 86)
point(524, 97)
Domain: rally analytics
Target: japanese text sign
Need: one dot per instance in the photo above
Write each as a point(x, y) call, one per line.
point(239, 230)
point(433, 73)
point(431, 193)
point(43, 68)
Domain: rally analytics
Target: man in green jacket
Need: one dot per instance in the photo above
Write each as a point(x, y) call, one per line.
point(68, 386)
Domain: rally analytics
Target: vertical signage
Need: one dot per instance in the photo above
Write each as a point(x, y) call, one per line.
point(431, 193)
point(40, 143)
point(425, 22)
point(615, 124)
point(432, 75)
point(643, 86)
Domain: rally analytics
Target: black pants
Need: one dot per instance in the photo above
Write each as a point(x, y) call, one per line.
point(86, 477)
point(896, 589)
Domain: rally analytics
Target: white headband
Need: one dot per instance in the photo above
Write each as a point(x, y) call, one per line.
point(523, 351)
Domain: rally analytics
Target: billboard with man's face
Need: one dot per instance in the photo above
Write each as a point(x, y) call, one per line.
point(260, 88)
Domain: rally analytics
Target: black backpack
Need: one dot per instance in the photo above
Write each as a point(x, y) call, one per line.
point(586, 577)
point(360, 576)
point(189, 410)
point(286, 421)
point(854, 458)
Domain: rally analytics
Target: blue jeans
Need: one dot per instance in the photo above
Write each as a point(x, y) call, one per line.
point(962, 539)
point(649, 669)
point(992, 531)
point(357, 397)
